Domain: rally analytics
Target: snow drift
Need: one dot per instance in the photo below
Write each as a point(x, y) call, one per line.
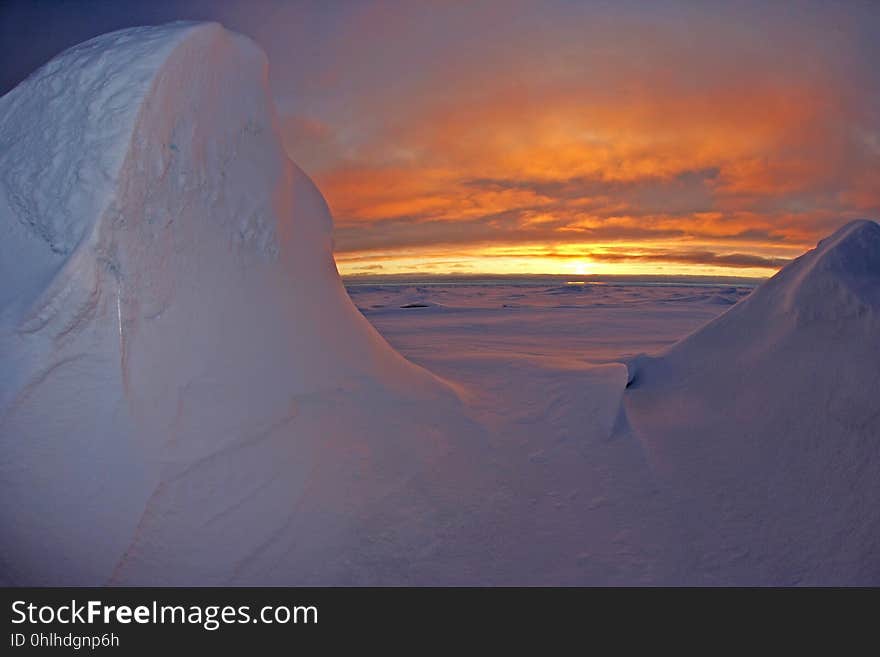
point(188, 396)
point(766, 421)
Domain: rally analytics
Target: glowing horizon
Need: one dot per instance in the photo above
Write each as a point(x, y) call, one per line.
point(575, 260)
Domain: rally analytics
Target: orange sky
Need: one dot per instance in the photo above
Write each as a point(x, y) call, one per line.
point(578, 138)
point(554, 136)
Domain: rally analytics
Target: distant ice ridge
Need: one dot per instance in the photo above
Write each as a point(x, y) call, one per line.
point(187, 393)
point(767, 422)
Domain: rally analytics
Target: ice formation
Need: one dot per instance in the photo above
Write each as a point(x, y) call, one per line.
point(187, 391)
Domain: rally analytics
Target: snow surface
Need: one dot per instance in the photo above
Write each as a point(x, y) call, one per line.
point(766, 424)
point(188, 393)
point(189, 396)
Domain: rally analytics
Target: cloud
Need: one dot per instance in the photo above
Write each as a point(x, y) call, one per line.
point(715, 135)
point(742, 260)
point(690, 143)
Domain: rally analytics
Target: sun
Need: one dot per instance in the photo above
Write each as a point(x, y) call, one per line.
point(581, 268)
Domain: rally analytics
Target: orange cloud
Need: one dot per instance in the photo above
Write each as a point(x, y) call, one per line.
point(631, 143)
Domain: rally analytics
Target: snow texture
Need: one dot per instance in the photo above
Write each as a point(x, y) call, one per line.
point(767, 423)
point(187, 390)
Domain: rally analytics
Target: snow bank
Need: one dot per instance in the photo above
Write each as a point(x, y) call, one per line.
point(766, 422)
point(188, 396)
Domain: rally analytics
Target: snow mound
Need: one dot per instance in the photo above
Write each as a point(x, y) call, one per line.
point(767, 422)
point(188, 395)
point(839, 279)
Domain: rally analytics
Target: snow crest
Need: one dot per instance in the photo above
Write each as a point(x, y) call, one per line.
point(766, 422)
point(187, 388)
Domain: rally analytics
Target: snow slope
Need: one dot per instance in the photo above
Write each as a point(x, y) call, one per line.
point(766, 424)
point(187, 391)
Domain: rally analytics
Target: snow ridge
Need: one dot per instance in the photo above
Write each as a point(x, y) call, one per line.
point(60, 157)
point(765, 421)
point(839, 278)
point(187, 388)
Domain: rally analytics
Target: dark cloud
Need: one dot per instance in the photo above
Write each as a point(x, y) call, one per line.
point(657, 191)
point(743, 260)
point(513, 227)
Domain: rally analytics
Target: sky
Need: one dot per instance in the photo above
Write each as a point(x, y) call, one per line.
point(551, 137)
